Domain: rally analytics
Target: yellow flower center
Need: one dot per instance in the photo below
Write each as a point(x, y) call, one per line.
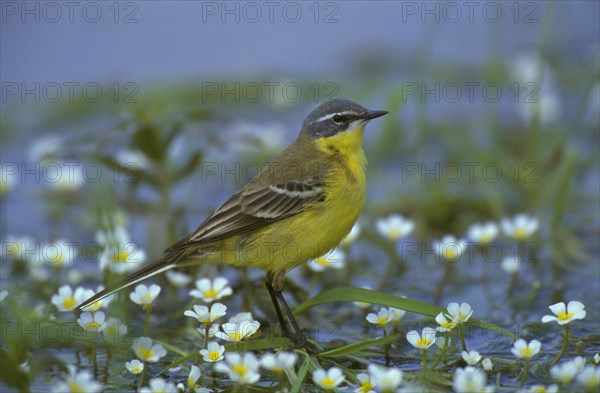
point(563, 316)
point(526, 352)
point(121, 256)
point(463, 316)
point(69, 303)
point(136, 369)
point(423, 342)
point(450, 252)
point(485, 239)
point(146, 353)
point(322, 261)
point(58, 259)
point(148, 297)
point(75, 388)
point(366, 386)
point(240, 370)
point(214, 356)
point(236, 336)
point(327, 383)
point(382, 321)
point(92, 326)
point(192, 383)
point(448, 325)
point(539, 389)
point(394, 233)
point(210, 293)
point(520, 233)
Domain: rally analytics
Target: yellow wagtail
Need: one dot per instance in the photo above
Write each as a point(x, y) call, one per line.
point(297, 208)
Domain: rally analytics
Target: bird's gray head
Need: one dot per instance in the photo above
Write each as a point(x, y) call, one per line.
point(335, 116)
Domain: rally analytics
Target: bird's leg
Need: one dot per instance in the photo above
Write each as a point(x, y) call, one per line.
point(275, 285)
point(282, 322)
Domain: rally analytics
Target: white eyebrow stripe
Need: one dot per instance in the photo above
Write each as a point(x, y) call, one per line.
point(329, 116)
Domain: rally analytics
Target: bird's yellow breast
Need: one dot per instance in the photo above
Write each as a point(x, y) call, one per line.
point(322, 225)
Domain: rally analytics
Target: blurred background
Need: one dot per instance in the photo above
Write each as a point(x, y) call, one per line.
point(147, 115)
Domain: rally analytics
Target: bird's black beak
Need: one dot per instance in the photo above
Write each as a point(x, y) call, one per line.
point(370, 115)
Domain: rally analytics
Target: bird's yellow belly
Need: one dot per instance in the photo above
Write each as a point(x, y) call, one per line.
point(293, 241)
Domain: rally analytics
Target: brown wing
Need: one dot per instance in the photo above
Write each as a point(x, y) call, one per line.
point(253, 208)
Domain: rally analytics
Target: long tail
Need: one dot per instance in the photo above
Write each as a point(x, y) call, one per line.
point(142, 274)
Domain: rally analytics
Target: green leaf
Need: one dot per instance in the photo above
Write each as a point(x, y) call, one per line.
point(358, 346)
point(349, 294)
point(301, 375)
point(263, 343)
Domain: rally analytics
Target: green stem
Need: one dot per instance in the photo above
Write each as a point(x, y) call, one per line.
point(147, 323)
point(95, 362)
point(206, 330)
point(525, 370)
point(386, 349)
point(423, 362)
point(564, 346)
point(462, 338)
point(442, 353)
point(142, 376)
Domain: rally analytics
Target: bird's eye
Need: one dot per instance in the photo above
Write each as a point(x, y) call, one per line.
point(338, 119)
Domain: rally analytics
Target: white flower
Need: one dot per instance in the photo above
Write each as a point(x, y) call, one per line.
point(114, 238)
point(482, 233)
point(421, 341)
point(394, 227)
point(520, 226)
point(487, 364)
point(242, 369)
point(329, 379)
point(46, 148)
point(213, 353)
point(510, 264)
point(564, 314)
point(440, 342)
point(241, 316)
point(193, 377)
point(122, 257)
point(63, 176)
point(351, 236)
point(566, 371)
point(159, 385)
point(589, 378)
point(365, 384)
point(382, 318)
point(471, 357)
point(385, 379)
point(543, 389)
point(210, 291)
point(449, 248)
point(459, 313)
point(58, 253)
point(597, 358)
point(3, 295)
point(77, 382)
point(21, 248)
point(205, 315)
point(144, 295)
point(66, 300)
point(279, 362)
point(178, 279)
point(524, 350)
point(335, 259)
point(132, 160)
point(212, 329)
point(146, 352)
point(469, 380)
point(92, 322)
point(236, 332)
point(446, 323)
point(396, 314)
point(115, 329)
point(135, 366)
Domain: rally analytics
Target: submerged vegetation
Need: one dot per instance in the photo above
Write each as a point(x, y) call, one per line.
point(477, 221)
